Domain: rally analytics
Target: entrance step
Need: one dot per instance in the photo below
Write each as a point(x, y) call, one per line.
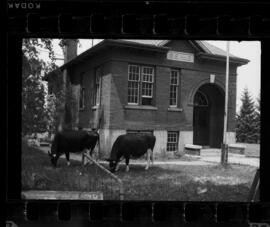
point(205, 147)
point(210, 152)
point(236, 148)
point(193, 149)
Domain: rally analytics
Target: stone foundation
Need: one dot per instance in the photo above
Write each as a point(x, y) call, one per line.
point(108, 137)
point(161, 141)
point(186, 137)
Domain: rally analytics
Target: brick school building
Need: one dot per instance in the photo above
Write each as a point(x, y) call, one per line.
point(174, 89)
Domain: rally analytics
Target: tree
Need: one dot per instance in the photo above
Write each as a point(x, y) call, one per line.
point(258, 119)
point(46, 117)
point(62, 115)
point(51, 113)
point(34, 114)
point(246, 120)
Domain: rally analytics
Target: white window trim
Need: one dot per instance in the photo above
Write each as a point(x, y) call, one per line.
point(137, 81)
point(177, 86)
point(83, 102)
point(205, 97)
point(135, 103)
point(177, 140)
point(97, 91)
point(141, 81)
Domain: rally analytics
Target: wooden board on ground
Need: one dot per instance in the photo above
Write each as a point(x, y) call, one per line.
point(62, 195)
point(254, 192)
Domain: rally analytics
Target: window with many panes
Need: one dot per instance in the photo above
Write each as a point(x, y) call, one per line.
point(172, 140)
point(97, 87)
point(174, 87)
point(200, 99)
point(140, 85)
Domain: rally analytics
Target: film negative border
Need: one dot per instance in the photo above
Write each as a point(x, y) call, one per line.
point(139, 212)
point(147, 19)
point(148, 26)
point(153, 22)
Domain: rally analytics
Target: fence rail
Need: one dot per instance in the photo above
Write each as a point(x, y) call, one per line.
point(109, 186)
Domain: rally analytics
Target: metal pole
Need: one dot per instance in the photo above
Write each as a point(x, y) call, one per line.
point(224, 155)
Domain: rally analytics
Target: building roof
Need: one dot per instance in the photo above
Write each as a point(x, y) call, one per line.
point(207, 47)
point(206, 50)
point(211, 49)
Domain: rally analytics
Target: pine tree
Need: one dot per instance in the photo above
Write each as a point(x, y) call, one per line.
point(246, 120)
point(258, 119)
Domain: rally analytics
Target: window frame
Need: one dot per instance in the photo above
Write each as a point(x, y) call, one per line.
point(174, 143)
point(97, 89)
point(82, 96)
point(177, 86)
point(204, 98)
point(143, 79)
point(134, 81)
point(82, 90)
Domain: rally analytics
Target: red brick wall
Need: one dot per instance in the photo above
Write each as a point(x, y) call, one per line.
point(115, 62)
point(192, 75)
point(88, 115)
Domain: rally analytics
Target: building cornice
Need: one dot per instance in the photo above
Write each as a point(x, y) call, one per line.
point(238, 61)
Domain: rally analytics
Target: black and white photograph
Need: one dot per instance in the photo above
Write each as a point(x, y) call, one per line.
point(140, 120)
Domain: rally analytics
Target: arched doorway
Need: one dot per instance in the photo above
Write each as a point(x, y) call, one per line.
point(208, 116)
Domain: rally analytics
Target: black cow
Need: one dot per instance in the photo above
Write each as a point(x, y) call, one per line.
point(71, 141)
point(131, 146)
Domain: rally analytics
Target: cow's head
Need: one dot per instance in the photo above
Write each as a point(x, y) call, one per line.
point(53, 158)
point(112, 164)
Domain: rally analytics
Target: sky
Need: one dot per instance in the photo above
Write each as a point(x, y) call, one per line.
point(248, 76)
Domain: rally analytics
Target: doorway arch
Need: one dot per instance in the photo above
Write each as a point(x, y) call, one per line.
point(208, 115)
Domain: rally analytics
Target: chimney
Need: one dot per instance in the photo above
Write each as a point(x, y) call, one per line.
point(70, 49)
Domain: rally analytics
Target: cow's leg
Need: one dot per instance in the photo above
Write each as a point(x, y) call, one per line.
point(67, 157)
point(148, 159)
point(83, 157)
point(127, 164)
point(151, 157)
point(87, 151)
point(117, 166)
point(118, 163)
point(91, 151)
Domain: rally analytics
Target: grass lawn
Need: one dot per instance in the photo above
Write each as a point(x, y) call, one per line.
point(164, 182)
